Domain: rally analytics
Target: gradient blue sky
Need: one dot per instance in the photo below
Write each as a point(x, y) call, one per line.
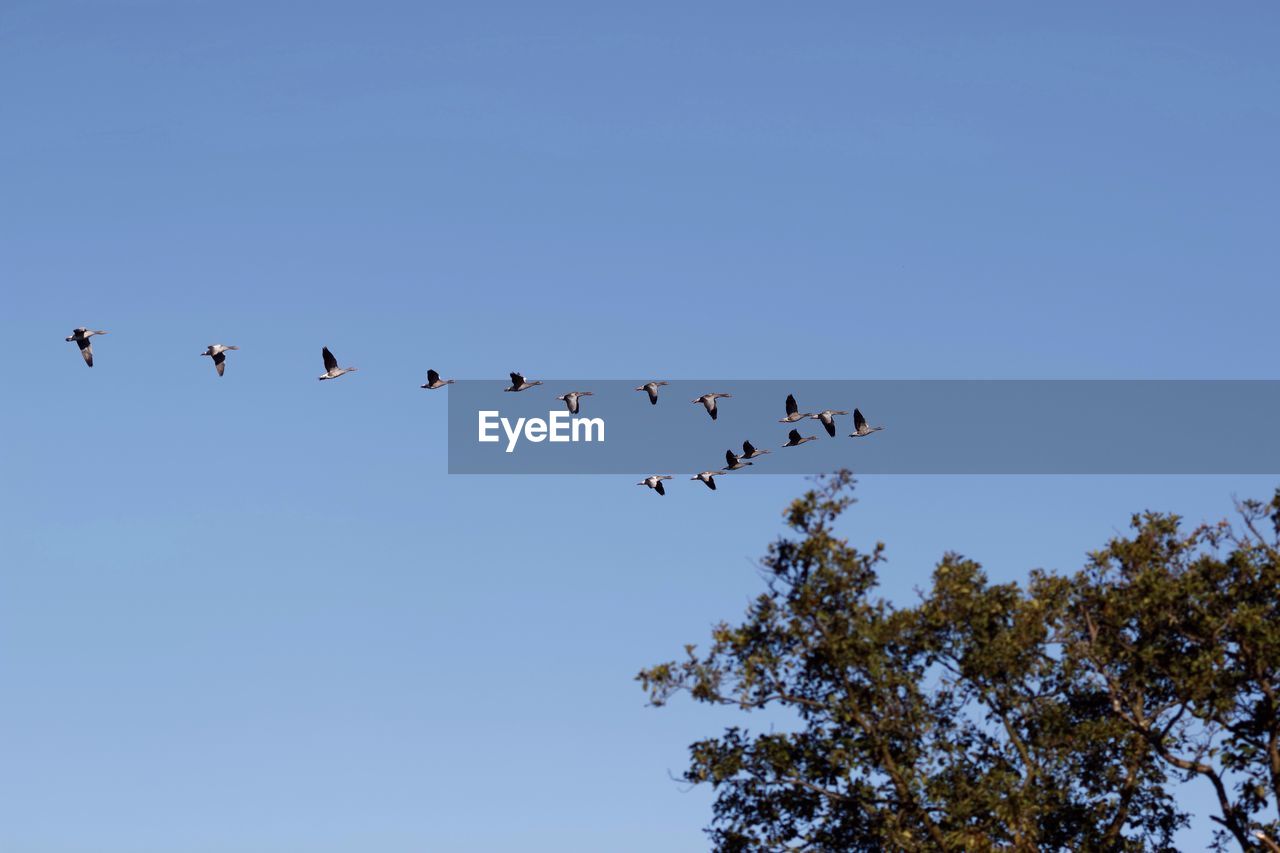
point(254, 614)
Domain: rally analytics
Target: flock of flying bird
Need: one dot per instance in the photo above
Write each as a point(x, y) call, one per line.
point(735, 461)
point(572, 401)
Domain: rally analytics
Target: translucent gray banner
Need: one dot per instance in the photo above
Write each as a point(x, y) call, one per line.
point(930, 427)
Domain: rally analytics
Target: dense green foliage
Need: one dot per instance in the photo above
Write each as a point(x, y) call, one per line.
point(1055, 714)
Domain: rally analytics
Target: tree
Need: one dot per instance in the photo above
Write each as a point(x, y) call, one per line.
point(1185, 641)
point(1055, 716)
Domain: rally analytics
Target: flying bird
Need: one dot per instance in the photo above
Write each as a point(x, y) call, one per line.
point(331, 369)
point(827, 416)
point(570, 400)
point(793, 411)
point(733, 461)
point(652, 389)
point(655, 482)
point(519, 384)
point(708, 477)
point(749, 451)
point(434, 381)
point(81, 337)
point(794, 439)
point(218, 352)
point(860, 427)
point(709, 401)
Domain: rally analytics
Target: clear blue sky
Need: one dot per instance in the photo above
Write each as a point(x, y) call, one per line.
point(255, 614)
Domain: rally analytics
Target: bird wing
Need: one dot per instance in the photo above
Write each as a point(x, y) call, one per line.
point(517, 380)
point(730, 458)
point(793, 436)
point(748, 448)
point(711, 483)
point(572, 402)
point(653, 394)
point(792, 408)
point(329, 361)
point(432, 377)
point(659, 489)
point(830, 425)
point(220, 362)
point(86, 350)
point(858, 420)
